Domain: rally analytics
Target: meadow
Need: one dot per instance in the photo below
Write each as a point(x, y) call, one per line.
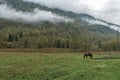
point(57, 66)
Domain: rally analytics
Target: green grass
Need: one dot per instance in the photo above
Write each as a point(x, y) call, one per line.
point(41, 66)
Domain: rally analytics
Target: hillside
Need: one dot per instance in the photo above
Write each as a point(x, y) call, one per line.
point(76, 33)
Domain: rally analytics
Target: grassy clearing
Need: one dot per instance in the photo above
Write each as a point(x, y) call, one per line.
point(41, 66)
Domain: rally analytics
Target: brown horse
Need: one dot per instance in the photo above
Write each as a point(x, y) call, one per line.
point(88, 54)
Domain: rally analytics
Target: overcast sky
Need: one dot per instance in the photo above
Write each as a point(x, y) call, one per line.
point(108, 10)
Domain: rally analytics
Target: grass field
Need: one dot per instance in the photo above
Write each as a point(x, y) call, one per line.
point(69, 66)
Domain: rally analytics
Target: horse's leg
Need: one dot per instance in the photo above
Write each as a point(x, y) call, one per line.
point(91, 56)
point(84, 56)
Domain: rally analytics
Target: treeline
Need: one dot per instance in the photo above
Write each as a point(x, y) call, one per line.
point(37, 39)
point(59, 35)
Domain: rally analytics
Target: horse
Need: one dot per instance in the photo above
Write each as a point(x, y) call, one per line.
point(88, 54)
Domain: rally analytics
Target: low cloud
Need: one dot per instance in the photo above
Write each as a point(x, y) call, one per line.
point(108, 10)
point(92, 22)
point(36, 16)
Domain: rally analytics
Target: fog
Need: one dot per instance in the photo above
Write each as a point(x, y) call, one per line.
point(108, 10)
point(92, 22)
point(36, 16)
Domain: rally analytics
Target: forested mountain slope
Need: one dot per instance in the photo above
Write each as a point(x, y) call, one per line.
point(80, 31)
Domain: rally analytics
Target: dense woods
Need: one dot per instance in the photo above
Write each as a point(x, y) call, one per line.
point(50, 35)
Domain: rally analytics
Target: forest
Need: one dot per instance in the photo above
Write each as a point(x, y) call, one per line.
point(60, 35)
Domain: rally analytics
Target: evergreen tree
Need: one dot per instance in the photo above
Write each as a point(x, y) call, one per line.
point(21, 34)
point(67, 44)
point(10, 38)
point(58, 44)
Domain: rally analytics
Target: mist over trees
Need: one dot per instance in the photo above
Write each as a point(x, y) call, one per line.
point(60, 35)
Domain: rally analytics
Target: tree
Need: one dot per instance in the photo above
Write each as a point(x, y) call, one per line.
point(10, 38)
point(58, 43)
point(21, 34)
point(16, 37)
point(26, 44)
point(67, 44)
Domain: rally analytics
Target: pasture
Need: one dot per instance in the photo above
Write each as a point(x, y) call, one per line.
point(57, 66)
